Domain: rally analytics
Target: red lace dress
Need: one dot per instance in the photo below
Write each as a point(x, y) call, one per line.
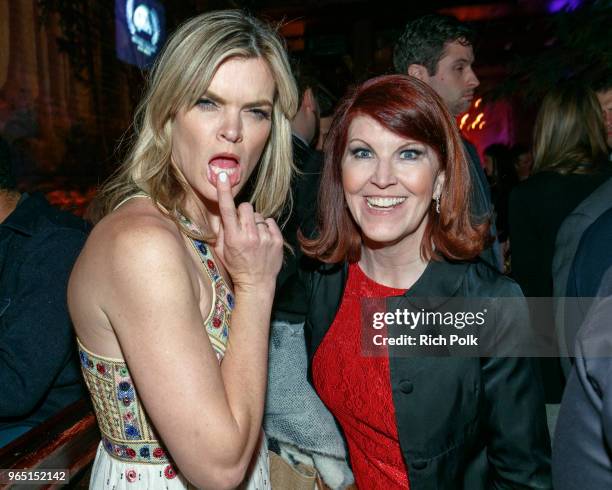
point(357, 390)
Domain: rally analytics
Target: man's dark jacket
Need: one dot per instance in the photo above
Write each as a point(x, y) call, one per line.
point(289, 303)
point(581, 456)
point(454, 414)
point(39, 372)
point(481, 204)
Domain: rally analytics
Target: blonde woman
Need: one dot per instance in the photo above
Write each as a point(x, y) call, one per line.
point(570, 161)
point(177, 387)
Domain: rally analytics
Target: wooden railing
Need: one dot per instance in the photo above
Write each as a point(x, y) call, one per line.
point(67, 441)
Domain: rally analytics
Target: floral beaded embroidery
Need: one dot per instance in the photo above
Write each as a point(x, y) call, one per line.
point(217, 326)
point(169, 472)
point(126, 430)
point(136, 452)
point(131, 475)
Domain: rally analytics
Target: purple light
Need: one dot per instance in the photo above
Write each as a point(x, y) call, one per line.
point(557, 5)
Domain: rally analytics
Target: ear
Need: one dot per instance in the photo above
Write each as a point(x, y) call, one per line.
point(418, 71)
point(439, 184)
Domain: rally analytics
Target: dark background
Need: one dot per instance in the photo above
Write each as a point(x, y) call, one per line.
point(66, 101)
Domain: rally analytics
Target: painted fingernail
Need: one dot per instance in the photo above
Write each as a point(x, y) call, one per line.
point(223, 177)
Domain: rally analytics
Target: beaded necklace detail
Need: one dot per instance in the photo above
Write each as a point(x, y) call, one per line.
point(217, 323)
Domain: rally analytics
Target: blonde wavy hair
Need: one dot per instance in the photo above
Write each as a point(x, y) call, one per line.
point(181, 74)
point(569, 134)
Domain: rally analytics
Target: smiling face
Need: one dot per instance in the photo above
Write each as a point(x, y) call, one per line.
point(389, 182)
point(455, 81)
point(228, 127)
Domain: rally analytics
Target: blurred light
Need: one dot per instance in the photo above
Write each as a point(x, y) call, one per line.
point(295, 44)
point(293, 29)
point(472, 13)
point(477, 120)
point(463, 120)
point(477, 103)
point(557, 5)
point(482, 125)
point(71, 200)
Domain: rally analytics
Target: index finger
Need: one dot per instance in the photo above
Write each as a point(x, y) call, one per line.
point(227, 208)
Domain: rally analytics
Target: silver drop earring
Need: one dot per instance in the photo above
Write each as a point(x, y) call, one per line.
point(437, 198)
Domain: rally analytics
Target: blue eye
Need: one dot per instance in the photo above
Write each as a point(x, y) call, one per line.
point(410, 154)
point(206, 104)
point(361, 153)
point(261, 114)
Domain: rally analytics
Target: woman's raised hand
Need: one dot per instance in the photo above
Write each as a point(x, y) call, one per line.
point(250, 247)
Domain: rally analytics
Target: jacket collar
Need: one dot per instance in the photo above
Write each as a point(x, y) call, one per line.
point(440, 278)
point(24, 218)
point(298, 140)
point(440, 281)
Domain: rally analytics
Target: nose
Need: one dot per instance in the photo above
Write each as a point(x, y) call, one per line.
point(472, 80)
point(383, 175)
point(231, 127)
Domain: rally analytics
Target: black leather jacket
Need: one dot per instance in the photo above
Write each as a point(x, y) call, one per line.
point(463, 423)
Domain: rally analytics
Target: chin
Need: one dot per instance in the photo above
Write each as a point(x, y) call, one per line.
point(382, 237)
point(381, 240)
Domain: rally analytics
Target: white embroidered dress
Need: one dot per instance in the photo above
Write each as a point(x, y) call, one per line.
point(130, 456)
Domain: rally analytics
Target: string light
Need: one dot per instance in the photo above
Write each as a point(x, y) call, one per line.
point(477, 120)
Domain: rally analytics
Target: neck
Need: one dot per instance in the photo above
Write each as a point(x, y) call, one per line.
point(397, 266)
point(8, 203)
point(204, 215)
point(301, 127)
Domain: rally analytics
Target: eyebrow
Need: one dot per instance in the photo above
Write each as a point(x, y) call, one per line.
point(407, 143)
point(255, 103)
point(464, 60)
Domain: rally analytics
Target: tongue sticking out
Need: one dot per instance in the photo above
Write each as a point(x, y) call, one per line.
point(228, 165)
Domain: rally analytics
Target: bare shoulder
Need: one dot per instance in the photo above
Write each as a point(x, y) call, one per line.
point(130, 247)
point(136, 233)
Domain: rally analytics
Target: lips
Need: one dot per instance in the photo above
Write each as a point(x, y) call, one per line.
point(224, 162)
point(383, 204)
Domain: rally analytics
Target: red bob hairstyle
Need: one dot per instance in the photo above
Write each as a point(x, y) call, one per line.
point(411, 109)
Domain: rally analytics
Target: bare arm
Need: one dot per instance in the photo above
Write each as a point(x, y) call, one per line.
point(208, 416)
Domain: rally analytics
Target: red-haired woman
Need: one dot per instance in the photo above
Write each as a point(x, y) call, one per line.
point(394, 220)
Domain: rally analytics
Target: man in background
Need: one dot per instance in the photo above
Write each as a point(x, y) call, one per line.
point(298, 425)
point(438, 50)
point(39, 371)
point(290, 303)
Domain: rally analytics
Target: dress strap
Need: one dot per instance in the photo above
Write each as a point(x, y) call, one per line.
point(130, 197)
